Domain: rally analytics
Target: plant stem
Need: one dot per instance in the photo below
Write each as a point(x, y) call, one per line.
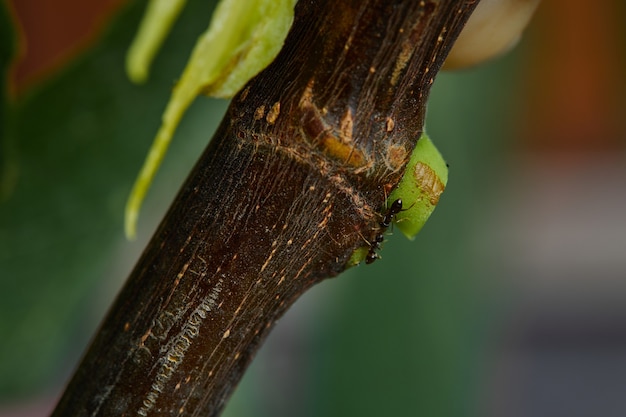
point(290, 186)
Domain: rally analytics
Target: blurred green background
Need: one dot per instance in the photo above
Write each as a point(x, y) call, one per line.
point(509, 302)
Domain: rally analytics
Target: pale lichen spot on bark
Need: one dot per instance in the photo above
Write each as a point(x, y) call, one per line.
point(259, 113)
point(307, 95)
point(182, 273)
point(396, 157)
point(272, 115)
point(175, 355)
point(403, 58)
point(244, 94)
point(346, 152)
point(346, 127)
point(389, 124)
point(334, 141)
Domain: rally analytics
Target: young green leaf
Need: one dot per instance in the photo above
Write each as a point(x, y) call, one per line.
point(243, 38)
point(421, 186)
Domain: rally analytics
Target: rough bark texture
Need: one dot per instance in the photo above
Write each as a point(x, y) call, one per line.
point(291, 185)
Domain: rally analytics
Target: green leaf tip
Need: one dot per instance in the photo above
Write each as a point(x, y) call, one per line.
point(142, 183)
point(421, 186)
point(244, 36)
point(156, 24)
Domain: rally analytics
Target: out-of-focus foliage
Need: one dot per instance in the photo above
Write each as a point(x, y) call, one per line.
point(7, 52)
point(78, 142)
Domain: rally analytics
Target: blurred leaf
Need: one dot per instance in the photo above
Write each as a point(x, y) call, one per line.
point(79, 141)
point(8, 50)
point(243, 37)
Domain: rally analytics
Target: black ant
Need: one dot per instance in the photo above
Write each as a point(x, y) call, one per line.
point(395, 208)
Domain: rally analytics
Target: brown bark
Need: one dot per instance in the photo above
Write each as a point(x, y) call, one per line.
point(291, 185)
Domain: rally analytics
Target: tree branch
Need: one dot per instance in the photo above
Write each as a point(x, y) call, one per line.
point(291, 185)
